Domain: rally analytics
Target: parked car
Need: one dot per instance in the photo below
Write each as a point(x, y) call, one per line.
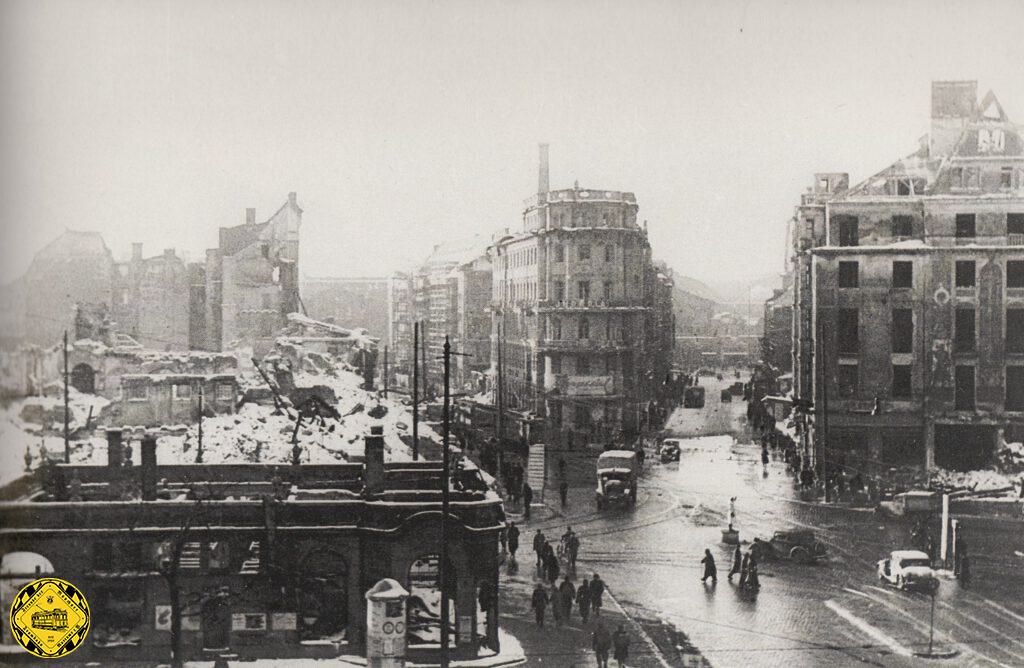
point(908, 569)
point(670, 450)
point(800, 545)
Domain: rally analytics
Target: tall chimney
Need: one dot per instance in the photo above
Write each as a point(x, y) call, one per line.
point(373, 481)
point(149, 472)
point(544, 174)
point(250, 216)
point(115, 448)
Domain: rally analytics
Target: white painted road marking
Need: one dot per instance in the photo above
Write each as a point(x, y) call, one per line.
point(876, 634)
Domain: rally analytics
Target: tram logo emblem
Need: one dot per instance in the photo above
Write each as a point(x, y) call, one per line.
point(50, 618)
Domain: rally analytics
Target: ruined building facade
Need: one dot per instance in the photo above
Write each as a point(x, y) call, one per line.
point(908, 330)
point(575, 298)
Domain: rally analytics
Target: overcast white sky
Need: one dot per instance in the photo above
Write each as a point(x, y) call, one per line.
point(401, 123)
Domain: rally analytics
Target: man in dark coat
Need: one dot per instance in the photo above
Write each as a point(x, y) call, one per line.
point(602, 643)
point(710, 569)
point(596, 594)
point(573, 547)
point(527, 500)
point(737, 558)
point(539, 602)
point(568, 594)
point(513, 539)
point(563, 492)
point(744, 570)
point(583, 599)
point(539, 541)
point(620, 640)
point(551, 566)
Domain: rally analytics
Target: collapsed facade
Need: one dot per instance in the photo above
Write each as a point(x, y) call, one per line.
point(273, 561)
point(238, 297)
point(908, 335)
point(577, 312)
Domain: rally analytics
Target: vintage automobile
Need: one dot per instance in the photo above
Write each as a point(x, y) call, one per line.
point(908, 569)
point(693, 397)
point(670, 450)
point(799, 545)
point(616, 478)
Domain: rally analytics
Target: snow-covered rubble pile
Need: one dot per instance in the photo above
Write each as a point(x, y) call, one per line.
point(977, 481)
point(36, 424)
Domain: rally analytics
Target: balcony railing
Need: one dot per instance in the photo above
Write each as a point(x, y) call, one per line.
point(588, 304)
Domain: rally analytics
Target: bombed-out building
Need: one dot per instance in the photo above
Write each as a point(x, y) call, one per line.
point(909, 296)
point(256, 561)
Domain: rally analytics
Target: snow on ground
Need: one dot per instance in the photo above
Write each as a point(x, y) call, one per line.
point(34, 423)
point(254, 434)
point(978, 481)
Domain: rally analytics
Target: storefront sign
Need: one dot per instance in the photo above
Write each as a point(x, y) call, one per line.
point(283, 621)
point(248, 621)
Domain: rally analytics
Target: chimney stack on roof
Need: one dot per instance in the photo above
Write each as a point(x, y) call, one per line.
point(954, 104)
point(115, 448)
point(544, 171)
point(168, 252)
point(148, 467)
point(373, 474)
point(250, 216)
point(137, 250)
point(293, 198)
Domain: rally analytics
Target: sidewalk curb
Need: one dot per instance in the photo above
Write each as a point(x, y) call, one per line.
point(651, 645)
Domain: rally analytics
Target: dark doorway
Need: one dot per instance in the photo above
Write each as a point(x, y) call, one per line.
point(216, 622)
point(83, 379)
point(964, 447)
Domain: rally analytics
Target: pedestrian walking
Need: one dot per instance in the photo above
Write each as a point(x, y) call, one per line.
point(568, 595)
point(965, 570)
point(620, 641)
point(503, 538)
point(539, 602)
point(539, 541)
point(563, 491)
point(596, 594)
point(513, 539)
point(737, 558)
point(764, 458)
point(573, 546)
point(557, 611)
point(583, 599)
point(601, 641)
point(753, 582)
point(744, 569)
point(710, 570)
point(551, 566)
point(527, 500)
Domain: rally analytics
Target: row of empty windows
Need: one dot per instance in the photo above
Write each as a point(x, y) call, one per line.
point(583, 290)
point(181, 391)
point(902, 226)
point(522, 258)
point(557, 332)
point(583, 252)
point(903, 274)
point(902, 330)
point(964, 385)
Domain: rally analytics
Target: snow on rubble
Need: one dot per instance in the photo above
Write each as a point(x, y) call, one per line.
point(257, 432)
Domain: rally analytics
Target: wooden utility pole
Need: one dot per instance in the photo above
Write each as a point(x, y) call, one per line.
point(415, 391)
point(423, 360)
point(445, 500)
point(199, 446)
point(67, 405)
point(385, 371)
point(499, 400)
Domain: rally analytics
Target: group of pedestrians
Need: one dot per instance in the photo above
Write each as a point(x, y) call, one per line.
point(548, 562)
point(588, 598)
point(744, 564)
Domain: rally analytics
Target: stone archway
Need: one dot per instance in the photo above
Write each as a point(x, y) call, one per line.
point(83, 378)
point(17, 569)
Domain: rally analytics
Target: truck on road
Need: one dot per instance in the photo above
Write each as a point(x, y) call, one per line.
point(616, 478)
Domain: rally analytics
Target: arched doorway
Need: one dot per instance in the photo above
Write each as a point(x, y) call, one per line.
point(424, 604)
point(322, 596)
point(17, 569)
point(83, 378)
